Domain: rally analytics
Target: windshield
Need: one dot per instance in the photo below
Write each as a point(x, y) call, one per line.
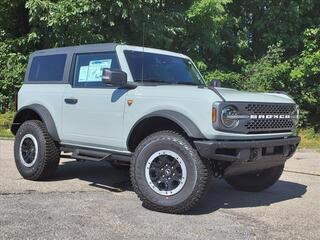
point(159, 68)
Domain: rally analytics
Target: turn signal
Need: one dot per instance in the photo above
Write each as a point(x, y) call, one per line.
point(130, 102)
point(214, 114)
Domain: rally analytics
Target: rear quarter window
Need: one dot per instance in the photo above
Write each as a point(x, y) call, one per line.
point(49, 68)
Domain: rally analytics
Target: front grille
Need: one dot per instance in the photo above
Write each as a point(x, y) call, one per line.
point(271, 108)
point(273, 124)
point(259, 118)
point(267, 124)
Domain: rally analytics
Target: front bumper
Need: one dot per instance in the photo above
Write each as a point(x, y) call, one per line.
point(248, 155)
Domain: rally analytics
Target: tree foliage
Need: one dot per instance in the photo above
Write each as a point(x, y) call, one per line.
point(252, 45)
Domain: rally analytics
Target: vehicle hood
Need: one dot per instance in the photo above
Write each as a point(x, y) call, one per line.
point(205, 94)
point(234, 95)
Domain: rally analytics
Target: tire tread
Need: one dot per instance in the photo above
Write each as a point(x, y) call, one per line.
point(202, 165)
point(51, 152)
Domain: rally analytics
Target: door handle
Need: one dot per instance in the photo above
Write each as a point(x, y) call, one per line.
point(71, 100)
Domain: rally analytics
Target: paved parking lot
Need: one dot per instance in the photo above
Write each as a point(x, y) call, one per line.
point(93, 201)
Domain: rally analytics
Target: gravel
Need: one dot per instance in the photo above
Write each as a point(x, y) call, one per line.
point(89, 200)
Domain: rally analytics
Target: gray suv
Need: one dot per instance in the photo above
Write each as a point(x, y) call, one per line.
point(150, 109)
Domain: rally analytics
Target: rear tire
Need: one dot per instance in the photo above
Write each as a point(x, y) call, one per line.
point(36, 154)
point(256, 181)
point(167, 173)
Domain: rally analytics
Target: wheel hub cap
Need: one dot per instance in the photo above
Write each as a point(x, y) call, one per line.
point(166, 172)
point(28, 150)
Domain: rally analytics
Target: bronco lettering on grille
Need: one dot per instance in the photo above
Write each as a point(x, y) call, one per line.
point(262, 116)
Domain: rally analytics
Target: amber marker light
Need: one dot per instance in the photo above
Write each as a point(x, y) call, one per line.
point(214, 114)
point(130, 102)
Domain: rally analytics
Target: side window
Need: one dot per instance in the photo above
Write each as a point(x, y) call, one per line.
point(88, 68)
point(48, 68)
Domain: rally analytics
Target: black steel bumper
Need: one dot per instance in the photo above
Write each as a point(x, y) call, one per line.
point(249, 154)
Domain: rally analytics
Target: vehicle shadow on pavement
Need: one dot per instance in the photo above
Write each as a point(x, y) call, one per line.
point(219, 195)
point(98, 174)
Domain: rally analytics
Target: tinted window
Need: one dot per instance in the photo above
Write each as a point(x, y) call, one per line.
point(47, 68)
point(162, 68)
point(88, 68)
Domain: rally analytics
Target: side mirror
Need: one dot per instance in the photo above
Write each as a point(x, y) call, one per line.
point(116, 78)
point(216, 83)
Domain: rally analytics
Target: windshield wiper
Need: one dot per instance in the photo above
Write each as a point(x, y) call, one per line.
point(166, 82)
point(187, 83)
point(153, 81)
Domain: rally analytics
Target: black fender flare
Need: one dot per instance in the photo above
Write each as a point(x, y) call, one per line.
point(181, 120)
point(44, 115)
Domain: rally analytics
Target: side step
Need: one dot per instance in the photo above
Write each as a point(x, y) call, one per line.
point(90, 155)
point(87, 158)
point(93, 155)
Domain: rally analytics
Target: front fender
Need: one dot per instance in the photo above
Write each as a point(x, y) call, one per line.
point(184, 122)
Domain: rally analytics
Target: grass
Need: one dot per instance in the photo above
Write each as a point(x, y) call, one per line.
point(5, 123)
point(5, 133)
point(309, 138)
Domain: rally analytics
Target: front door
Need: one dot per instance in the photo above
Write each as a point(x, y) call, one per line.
point(93, 111)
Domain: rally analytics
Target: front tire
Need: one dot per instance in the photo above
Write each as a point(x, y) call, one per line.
point(256, 181)
point(167, 173)
point(36, 154)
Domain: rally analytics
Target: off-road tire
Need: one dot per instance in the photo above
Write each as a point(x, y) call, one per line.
point(257, 181)
point(198, 173)
point(48, 156)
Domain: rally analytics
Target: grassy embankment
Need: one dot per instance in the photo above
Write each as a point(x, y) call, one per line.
point(310, 139)
point(5, 122)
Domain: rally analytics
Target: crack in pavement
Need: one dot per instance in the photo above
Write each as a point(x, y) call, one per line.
point(304, 173)
point(28, 192)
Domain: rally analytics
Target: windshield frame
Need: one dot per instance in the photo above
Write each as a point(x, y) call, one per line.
point(164, 53)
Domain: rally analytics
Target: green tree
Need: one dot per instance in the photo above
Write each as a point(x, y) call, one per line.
point(253, 45)
point(259, 24)
point(306, 76)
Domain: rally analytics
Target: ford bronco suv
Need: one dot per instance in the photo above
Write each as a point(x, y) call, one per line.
point(151, 109)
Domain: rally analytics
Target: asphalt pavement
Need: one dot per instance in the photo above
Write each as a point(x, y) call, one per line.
point(92, 200)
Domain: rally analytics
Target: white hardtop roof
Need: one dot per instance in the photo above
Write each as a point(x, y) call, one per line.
point(150, 50)
point(106, 47)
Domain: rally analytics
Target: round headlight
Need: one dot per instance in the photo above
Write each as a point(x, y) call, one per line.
point(228, 115)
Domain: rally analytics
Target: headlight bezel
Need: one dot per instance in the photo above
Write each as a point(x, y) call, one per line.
point(226, 117)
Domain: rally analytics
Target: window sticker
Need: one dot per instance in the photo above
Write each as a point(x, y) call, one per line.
point(95, 69)
point(83, 73)
point(93, 72)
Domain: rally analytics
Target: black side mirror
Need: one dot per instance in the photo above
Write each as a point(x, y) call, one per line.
point(116, 78)
point(216, 83)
